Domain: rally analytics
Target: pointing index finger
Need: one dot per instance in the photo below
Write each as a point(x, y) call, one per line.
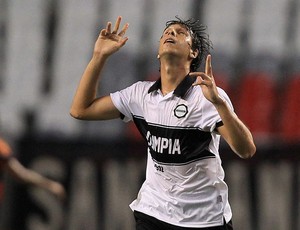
point(208, 67)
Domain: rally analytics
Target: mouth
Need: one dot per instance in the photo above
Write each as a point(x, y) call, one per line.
point(169, 40)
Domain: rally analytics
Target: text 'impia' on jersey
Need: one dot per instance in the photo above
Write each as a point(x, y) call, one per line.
point(163, 144)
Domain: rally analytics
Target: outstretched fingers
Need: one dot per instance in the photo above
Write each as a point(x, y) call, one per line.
point(111, 39)
point(204, 78)
point(108, 30)
point(207, 83)
point(124, 29)
point(117, 25)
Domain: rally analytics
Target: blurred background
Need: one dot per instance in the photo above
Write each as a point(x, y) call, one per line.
point(44, 48)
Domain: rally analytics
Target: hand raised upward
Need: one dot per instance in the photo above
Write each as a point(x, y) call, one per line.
point(110, 41)
point(207, 83)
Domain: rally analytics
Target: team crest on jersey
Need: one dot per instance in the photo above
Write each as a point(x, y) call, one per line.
point(181, 111)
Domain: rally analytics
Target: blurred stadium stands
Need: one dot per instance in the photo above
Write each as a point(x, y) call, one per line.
point(44, 47)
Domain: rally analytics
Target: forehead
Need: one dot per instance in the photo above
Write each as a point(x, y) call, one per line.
point(177, 26)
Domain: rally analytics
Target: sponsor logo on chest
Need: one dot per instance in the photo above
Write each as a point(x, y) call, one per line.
point(163, 144)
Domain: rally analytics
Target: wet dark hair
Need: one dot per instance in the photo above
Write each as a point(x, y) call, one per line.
point(200, 39)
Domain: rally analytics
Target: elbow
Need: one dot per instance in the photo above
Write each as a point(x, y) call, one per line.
point(75, 114)
point(248, 152)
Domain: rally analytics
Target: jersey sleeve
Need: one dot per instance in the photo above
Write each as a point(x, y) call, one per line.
point(126, 100)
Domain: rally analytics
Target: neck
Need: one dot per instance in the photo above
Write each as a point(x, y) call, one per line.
point(171, 75)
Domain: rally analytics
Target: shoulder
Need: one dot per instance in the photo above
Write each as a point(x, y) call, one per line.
point(139, 87)
point(222, 91)
point(225, 96)
point(136, 91)
point(143, 84)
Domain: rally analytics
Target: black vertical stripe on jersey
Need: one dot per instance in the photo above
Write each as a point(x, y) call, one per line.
point(193, 142)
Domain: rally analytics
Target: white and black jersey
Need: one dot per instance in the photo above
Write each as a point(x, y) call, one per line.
point(184, 183)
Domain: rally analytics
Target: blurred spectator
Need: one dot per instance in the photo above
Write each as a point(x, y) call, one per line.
point(9, 163)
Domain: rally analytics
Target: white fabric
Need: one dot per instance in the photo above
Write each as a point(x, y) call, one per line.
point(188, 194)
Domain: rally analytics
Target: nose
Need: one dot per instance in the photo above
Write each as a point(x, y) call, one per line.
point(171, 32)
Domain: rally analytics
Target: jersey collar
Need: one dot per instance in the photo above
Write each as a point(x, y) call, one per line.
point(181, 89)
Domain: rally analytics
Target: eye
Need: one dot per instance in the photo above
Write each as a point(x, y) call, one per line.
point(182, 32)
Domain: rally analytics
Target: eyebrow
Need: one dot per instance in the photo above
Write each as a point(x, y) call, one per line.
point(182, 26)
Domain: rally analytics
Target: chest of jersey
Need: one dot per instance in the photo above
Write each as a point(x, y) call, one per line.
point(170, 126)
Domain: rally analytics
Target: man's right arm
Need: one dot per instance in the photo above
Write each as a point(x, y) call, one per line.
point(85, 105)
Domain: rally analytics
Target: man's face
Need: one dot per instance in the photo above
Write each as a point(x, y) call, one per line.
point(175, 40)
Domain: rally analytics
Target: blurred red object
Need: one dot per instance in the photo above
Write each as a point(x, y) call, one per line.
point(255, 104)
point(290, 116)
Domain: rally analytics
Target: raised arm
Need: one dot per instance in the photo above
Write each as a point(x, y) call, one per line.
point(235, 133)
point(86, 105)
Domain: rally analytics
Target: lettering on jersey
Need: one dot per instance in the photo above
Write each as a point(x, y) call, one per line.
point(180, 111)
point(163, 144)
point(159, 168)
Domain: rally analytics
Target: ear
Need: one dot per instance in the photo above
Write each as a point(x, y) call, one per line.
point(194, 53)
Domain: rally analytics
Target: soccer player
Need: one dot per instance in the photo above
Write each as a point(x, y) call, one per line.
point(181, 116)
point(10, 164)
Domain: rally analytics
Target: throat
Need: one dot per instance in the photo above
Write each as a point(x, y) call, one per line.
point(165, 92)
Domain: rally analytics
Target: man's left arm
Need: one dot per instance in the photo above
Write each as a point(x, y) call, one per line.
point(235, 132)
